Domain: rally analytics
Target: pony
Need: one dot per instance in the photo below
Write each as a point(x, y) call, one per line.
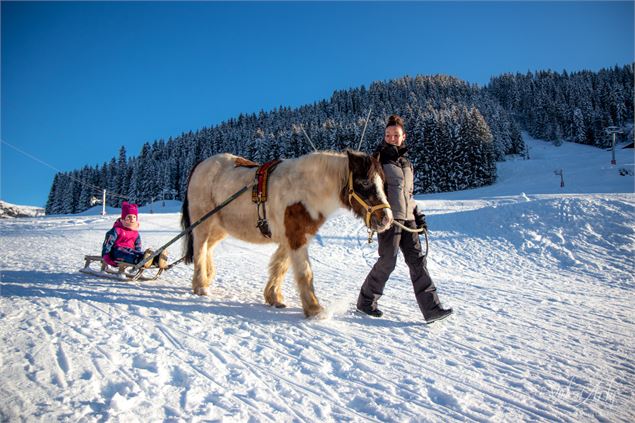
point(302, 193)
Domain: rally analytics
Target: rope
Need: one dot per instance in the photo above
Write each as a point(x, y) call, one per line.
point(195, 224)
point(175, 263)
point(407, 229)
point(418, 231)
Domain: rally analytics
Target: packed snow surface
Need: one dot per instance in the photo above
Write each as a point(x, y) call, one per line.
point(540, 278)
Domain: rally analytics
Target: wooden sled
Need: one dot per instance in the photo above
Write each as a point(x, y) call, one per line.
point(123, 271)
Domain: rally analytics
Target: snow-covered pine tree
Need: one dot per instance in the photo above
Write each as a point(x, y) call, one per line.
point(481, 151)
point(122, 180)
point(134, 181)
point(52, 200)
point(86, 190)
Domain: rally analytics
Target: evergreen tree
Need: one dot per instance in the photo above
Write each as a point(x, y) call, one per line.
point(122, 184)
point(51, 202)
point(134, 177)
point(86, 190)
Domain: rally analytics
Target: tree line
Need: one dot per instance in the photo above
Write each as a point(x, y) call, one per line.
point(456, 133)
point(575, 107)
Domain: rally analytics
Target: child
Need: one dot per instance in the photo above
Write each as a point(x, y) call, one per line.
point(123, 242)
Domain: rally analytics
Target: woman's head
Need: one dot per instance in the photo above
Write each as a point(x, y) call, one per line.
point(395, 133)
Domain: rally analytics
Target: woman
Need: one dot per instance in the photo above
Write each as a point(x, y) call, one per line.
point(399, 188)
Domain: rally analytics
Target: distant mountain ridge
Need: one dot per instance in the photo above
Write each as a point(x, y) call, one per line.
point(8, 210)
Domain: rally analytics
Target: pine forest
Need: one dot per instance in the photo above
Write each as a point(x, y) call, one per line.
point(456, 132)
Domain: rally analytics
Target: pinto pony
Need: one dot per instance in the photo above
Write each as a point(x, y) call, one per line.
point(302, 193)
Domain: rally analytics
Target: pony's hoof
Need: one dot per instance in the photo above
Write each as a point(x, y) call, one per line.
point(324, 314)
point(279, 305)
point(314, 312)
point(202, 291)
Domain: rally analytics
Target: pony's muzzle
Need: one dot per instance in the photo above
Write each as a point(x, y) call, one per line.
point(381, 220)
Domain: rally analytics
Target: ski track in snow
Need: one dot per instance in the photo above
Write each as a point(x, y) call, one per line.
point(541, 283)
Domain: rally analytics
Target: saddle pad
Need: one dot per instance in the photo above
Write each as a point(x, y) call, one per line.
point(242, 162)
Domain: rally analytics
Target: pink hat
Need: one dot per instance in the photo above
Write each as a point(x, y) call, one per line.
point(127, 208)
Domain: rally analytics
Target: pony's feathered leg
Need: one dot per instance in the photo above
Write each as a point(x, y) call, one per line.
point(304, 279)
point(205, 239)
point(200, 282)
point(213, 238)
point(278, 267)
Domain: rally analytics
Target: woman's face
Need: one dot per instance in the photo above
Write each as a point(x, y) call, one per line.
point(394, 135)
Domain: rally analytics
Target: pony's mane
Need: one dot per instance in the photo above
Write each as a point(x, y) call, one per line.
point(331, 164)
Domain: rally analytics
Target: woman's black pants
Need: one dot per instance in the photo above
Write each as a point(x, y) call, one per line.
point(390, 242)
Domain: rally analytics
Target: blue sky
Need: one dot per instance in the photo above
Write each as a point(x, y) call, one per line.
point(81, 79)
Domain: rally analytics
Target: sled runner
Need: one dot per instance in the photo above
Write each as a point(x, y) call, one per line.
point(123, 271)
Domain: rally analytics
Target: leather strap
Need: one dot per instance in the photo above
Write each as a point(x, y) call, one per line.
point(259, 192)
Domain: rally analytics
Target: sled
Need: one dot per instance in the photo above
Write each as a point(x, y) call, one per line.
point(123, 271)
point(134, 272)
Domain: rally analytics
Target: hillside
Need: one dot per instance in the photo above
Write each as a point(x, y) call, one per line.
point(540, 277)
point(456, 132)
point(12, 210)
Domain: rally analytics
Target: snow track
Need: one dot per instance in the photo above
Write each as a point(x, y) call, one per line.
point(542, 285)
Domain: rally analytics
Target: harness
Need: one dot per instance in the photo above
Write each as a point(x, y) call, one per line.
point(369, 209)
point(259, 194)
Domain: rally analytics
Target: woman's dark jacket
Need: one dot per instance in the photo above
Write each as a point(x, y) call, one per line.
point(399, 181)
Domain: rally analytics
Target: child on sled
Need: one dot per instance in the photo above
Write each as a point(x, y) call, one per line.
point(123, 242)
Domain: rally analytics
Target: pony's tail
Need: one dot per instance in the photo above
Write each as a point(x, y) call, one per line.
point(185, 223)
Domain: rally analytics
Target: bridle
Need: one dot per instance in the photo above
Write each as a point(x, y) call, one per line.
point(369, 209)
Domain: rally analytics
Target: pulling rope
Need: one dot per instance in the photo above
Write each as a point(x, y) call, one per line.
point(194, 225)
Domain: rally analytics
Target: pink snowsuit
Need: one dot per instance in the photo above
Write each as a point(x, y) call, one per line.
point(123, 243)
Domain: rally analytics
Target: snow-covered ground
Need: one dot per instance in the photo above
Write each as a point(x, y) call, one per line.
point(540, 277)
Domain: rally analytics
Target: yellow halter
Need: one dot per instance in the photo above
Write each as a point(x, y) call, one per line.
point(369, 209)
